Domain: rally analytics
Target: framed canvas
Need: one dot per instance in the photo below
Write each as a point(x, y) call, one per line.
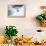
point(16, 10)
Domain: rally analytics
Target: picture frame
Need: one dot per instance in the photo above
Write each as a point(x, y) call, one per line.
point(16, 10)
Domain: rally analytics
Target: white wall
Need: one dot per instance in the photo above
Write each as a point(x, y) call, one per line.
point(24, 25)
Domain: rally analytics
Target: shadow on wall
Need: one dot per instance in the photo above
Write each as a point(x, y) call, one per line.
point(34, 21)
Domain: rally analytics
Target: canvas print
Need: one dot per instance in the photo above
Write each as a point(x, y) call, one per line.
point(16, 10)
